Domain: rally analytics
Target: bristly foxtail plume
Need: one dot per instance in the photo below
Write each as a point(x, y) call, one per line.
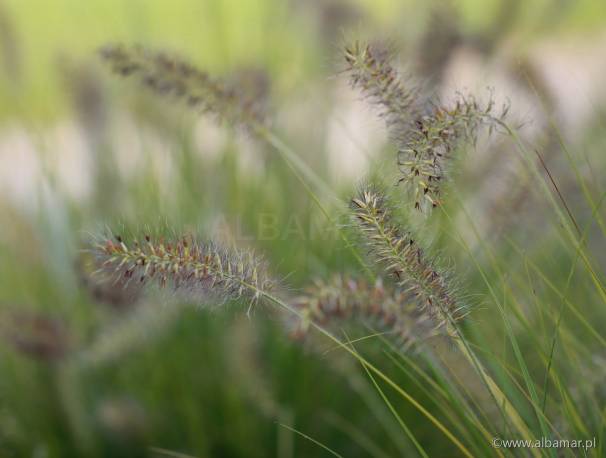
point(403, 258)
point(424, 131)
point(370, 70)
point(189, 266)
point(171, 76)
point(425, 153)
point(348, 300)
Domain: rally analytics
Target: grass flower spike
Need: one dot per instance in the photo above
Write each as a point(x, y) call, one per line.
point(403, 258)
point(346, 299)
point(424, 155)
point(171, 76)
point(425, 132)
point(198, 269)
point(370, 70)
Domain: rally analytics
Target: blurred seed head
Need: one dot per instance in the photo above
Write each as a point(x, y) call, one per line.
point(169, 75)
point(254, 84)
point(347, 300)
point(40, 336)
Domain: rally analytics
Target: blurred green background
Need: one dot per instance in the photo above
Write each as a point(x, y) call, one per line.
point(87, 370)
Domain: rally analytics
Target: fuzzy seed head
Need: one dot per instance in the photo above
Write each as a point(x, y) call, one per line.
point(169, 75)
point(370, 70)
point(426, 151)
point(425, 132)
point(187, 265)
point(402, 257)
point(349, 300)
point(37, 335)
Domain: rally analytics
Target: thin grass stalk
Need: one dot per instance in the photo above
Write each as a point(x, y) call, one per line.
point(312, 440)
point(509, 370)
point(463, 345)
point(298, 167)
point(446, 399)
point(579, 316)
point(511, 373)
point(563, 220)
point(401, 422)
point(562, 143)
point(375, 405)
point(356, 435)
point(559, 320)
point(547, 359)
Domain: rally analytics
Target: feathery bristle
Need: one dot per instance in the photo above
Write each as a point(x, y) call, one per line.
point(199, 269)
point(403, 258)
point(171, 76)
point(344, 299)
